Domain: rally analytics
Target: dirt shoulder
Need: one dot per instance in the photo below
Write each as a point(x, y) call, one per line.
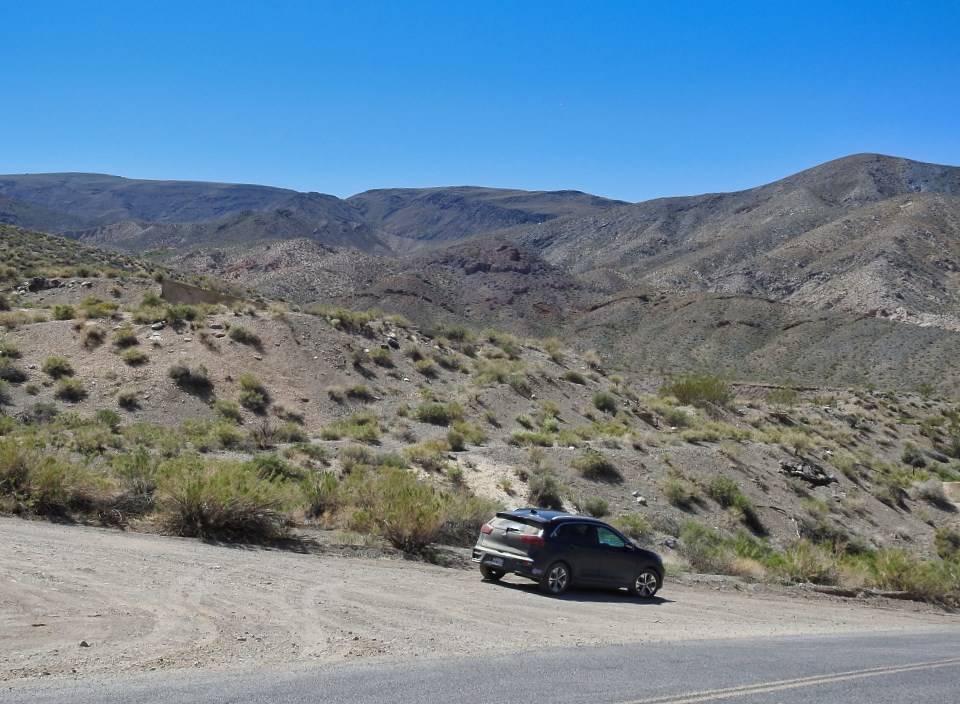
point(143, 602)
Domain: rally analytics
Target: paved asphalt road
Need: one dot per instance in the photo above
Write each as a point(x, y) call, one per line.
point(919, 668)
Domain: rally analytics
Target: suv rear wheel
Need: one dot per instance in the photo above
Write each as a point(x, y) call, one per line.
point(555, 579)
point(489, 573)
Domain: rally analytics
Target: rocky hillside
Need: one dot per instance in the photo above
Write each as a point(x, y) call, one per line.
point(843, 274)
point(316, 414)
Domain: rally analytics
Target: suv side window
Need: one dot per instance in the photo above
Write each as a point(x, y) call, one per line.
point(610, 539)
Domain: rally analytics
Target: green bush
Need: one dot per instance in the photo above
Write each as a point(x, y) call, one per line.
point(438, 413)
point(10, 372)
point(947, 541)
point(679, 492)
point(593, 465)
point(605, 402)
point(574, 377)
point(363, 427)
point(92, 336)
point(633, 526)
point(62, 311)
point(228, 409)
point(245, 336)
point(125, 336)
point(596, 507)
point(381, 357)
point(406, 511)
point(192, 380)
point(253, 394)
point(544, 491)
point(134, 356)
point(69, 389)
point(56, 367)
point(221, 501)
point(698, 390)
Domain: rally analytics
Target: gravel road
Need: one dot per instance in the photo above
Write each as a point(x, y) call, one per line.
point(87, 602)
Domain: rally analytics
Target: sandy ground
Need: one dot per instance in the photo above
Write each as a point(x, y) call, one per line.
point(143, 602)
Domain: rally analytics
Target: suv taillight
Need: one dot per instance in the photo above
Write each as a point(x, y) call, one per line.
point(486, 529)
point(533, 540)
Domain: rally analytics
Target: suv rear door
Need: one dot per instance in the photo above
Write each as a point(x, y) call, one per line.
point(511, 536)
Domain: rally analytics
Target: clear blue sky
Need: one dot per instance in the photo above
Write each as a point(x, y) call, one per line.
point(630, 100)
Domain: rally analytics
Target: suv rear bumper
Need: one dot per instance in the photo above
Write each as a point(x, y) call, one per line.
point(510, 564)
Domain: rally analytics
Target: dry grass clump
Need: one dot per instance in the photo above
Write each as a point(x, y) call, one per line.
point(593, 465)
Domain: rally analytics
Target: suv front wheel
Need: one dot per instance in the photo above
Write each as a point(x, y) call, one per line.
point(556, 579)
point(646, 584)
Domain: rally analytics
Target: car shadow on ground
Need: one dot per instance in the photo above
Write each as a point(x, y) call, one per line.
point(586, 595)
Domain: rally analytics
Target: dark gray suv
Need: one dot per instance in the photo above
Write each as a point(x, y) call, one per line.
point(558, 550)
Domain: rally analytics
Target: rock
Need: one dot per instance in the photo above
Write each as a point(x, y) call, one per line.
point(84, 644)
point(219, 334)
point(669, 543)
point(642, 500)
point(86, 284)
point(159, 325)
point(216, 326)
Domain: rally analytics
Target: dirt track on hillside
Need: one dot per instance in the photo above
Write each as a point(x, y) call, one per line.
point(145, 602)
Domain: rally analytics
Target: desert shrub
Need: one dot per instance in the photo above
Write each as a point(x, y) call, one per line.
point(633, 526)
point(574, 377)
point(128, 399)
point(41, 412)
point(56, 367)
point(698, 390)
point(290, 431)
point(605, 401)
point(221, 501)
point(545, 491)
point(552, 347)
point(703, 547)
point(10, 372)
point(125, 336)
point(9, 349)
point(679, 492)
point(430, 456)
point(363, 427)
point(593, 465)
point(192, 380)
point(180, 313)
point(471, 434)
point(595, 506)
point(63, 311)
point(268, 465)
point(804, 561)
point(322, 494)
point(913, 456)
point(932, 492)
point(360, 392)
point(426, 367)
point(381, 357)
point(245, 336)
point(134, 356)
point(456, 440)
point(229, 410)
point(407, 512)
point(724, 491)
point(45, 484)
point(69, 389)
point(151, 299)
point(253, 394)
point(108, 417)
point(438, 413)
point(947, 542)
point(529, 437)
point(93, 336)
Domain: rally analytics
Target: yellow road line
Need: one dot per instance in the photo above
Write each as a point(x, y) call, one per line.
point(780, 685)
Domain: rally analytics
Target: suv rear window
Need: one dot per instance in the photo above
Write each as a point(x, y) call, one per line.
point(504, 523)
